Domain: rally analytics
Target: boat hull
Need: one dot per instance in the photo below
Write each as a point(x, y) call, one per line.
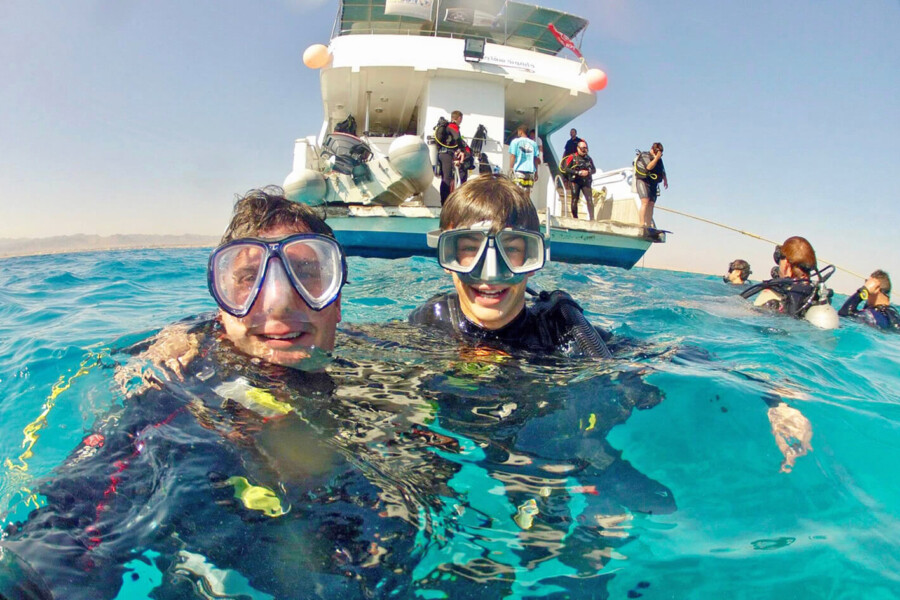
point(400, 237)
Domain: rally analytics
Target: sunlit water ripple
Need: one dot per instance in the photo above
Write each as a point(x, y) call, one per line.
point(741, 528)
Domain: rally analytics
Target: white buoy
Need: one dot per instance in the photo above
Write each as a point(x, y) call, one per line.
point(306, 186)
point(409, 157)
point(823, 316)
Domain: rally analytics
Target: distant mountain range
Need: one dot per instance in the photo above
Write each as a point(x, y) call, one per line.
point(85, 243)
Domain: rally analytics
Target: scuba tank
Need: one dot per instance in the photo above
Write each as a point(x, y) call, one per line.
point(803, 299)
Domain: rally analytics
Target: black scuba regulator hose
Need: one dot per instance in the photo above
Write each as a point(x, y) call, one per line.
point(586, 336)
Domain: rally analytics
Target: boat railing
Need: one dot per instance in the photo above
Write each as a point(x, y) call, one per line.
point(613, 200)
point(389, 28)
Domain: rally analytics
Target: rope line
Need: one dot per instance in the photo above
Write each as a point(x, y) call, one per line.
point(753, 235)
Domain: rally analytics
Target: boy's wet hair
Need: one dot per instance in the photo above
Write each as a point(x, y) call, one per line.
point(884, 281)
point(267, 208)
point(489, 198)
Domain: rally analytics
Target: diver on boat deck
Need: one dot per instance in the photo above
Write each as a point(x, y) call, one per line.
point(738, 272)
point(524, 158)
point(578, 168)
point(449, 153)
point(649, 171)
point(491, 244)
point(572, 143)
point(800, 290)
point(878, 312)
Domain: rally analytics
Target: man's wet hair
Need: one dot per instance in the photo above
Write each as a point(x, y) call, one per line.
point(267, 208)
point(456, 114)
point(884, 281)
point(489, 198)
point(657, 146)
point(799, 252)
point(740, 265)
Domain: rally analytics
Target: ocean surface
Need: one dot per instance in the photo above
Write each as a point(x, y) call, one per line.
point(420, 468)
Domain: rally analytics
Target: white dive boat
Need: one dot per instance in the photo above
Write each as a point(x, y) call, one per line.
point(397, 66)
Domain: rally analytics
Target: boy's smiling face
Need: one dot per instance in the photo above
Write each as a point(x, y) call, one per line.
point(490, 305)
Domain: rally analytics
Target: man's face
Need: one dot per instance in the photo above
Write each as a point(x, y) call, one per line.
point(280, 327)
point(572, 134)
point(784, 268)
point(736, 276)
point(490, 305)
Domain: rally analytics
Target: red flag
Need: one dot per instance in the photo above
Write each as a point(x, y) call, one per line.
point(563, 39)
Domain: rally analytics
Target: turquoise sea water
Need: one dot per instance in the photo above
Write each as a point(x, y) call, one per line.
point(739, 528)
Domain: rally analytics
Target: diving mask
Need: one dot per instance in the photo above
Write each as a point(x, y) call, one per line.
point(477, 255)
point(310, 263)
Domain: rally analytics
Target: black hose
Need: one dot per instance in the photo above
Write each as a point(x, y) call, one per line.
point(585, 335)
point(18, 581)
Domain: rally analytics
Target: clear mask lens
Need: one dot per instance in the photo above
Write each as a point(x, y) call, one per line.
point(479, 255)
point(310, 264)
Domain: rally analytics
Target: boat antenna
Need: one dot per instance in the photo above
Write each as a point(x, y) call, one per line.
point(749, 234)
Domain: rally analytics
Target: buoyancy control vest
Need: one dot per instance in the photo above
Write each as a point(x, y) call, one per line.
point(641, 160)
point(797, 295)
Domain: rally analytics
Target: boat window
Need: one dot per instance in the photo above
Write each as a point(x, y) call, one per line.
point(514, 24)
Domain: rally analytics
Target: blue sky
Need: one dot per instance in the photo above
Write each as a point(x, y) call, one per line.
point(147, 117)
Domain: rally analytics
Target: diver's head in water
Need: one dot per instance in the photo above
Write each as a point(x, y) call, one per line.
point(738, 272)
point(491, 244)
point(878, 288)
point(795, 258)
point(277, 278)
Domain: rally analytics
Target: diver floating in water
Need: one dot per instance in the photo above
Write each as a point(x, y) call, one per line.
point(224, 478)
point(800, 290)
point(490, 242)
point(877, 312)
point(738, 272)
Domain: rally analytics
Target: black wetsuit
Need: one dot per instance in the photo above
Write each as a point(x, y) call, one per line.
point(581, 185)
point(882, 317)
point(155, 484)
point(648, 180)
point(446, 155)
point(541, 328)
point(795, 295)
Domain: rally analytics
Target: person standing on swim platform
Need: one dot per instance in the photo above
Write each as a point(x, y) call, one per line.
point(877, 311)
point(490, 242)
point(649, 172)
point(578, 169)
point(449, 153)
point(523, 160)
